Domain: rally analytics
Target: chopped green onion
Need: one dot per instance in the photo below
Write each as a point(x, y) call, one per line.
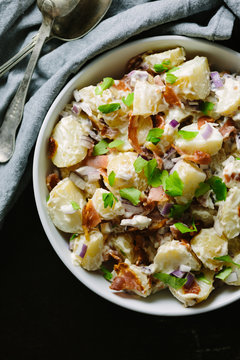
point(108, 199)
point(162, 67)
point(128, 100)
point(174, 185)
point(202, 189)
point(106, 273)
point(132, 194)
point(173, 69)
point(171, 280)
point(237, 158)
point(187, 135)
point(224, 273)
point(108, 108)
point(219, 187)
point(206, 107)
point(184, 229)
point(73, 236)
point(100, 148)
point(202, 277)
point(177, 210)
point(170, 78)
point(48, 197)
point(111, 178)
point(115, 143)
point(75, 205)
point(107, 83)
point(154, 135)
point(226, 258)
point(139, 164)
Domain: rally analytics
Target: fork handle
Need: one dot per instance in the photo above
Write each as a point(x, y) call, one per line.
point(14, 113)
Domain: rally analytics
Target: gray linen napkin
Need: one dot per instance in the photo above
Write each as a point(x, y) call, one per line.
point(19, 21)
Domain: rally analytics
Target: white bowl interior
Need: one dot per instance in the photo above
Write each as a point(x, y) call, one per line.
point(113, 64)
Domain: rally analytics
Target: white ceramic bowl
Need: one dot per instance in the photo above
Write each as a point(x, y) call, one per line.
point(112, 63)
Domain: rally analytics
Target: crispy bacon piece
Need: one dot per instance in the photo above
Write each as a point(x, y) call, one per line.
point(157, 194)
point(227, 129)
point(132, 133)
point(90, 217)
point(52, 147)
point(98, 162)
point(194, 288)
point(158, 121)
point(155, 225)
point(171, 97)
point(122, 85)
point(108, 132)
point(126, 279)
point(202, 120)
point(112, 254)
point(52, 180)
point(199, 157)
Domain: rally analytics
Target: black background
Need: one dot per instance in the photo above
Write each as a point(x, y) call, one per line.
point(46, 313)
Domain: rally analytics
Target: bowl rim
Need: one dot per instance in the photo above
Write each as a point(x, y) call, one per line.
point(42, 211)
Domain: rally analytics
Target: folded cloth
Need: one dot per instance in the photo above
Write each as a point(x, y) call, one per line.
point(20, 19)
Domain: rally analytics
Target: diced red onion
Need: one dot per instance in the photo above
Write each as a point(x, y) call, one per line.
point(216, 79)
point(94, 136)
point(178, 273)
point(166, 209)
point(130, 209)
point(190, 280)
point(174, 123)
point(76, 109)
point(207, 132)
point(77, 180)
point(83, 251)
point(137, 75)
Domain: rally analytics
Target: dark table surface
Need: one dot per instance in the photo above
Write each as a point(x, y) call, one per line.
point(46, 313)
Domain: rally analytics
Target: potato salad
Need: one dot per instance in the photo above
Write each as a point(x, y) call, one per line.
point(145, 179)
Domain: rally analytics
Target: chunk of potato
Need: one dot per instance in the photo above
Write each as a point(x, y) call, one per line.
point(106, 213)
point(207, 245)
point(189, 298)
point(175, 57)
point(211, 145)
point(124, 244)
point(68, 136)
point(92, 259)
point(193, 78)
point(171, 255)
point(60, 206)
point(125, 175)
point(228, 97)
point(227, 221)
point(191, 175)
point(148, 99)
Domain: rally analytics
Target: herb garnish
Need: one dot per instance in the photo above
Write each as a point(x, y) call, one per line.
point(219, 187)
point(75, 205)
point(154, 135)
point(100, 148)
point(206, 107)
point(132, 194)
point(108, 108)
point(202, 189)
point(187, 135)
point(106, 273)
point(224, 273)
point(162, 67)
point(184, 229)
point(115, 143)
point(128, 100)
point(111, 178)
point(171, 280)
point(226, 258)
point(108, 199)
point(106, 83)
